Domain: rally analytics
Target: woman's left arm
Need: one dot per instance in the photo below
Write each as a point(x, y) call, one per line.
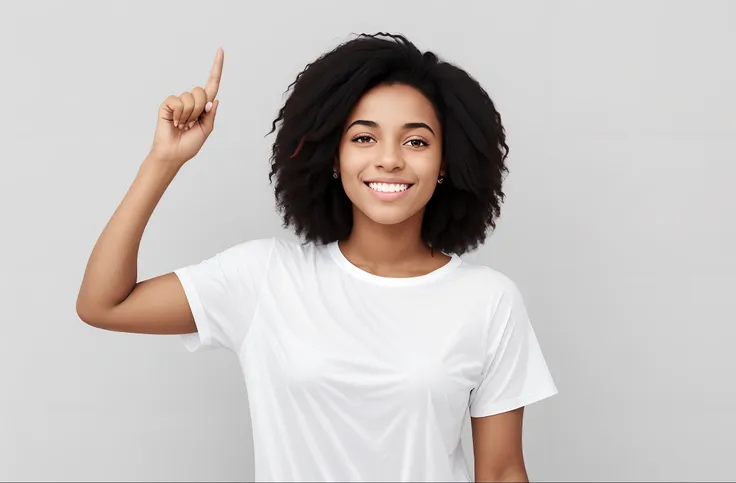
point(497, 447)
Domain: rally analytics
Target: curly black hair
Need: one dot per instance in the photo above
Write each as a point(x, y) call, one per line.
point(461, 210)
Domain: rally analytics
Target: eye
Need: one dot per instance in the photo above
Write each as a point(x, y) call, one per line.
point(418, 143)
point(362, 139)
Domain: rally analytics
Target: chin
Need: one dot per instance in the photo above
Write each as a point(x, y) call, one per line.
point(386, 215)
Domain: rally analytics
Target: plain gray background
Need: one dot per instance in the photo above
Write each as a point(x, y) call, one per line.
point(618, 226)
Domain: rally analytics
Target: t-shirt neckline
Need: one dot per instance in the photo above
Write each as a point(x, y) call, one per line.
point(337, 255)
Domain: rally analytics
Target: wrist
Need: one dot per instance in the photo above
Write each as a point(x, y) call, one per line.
point(159, 166)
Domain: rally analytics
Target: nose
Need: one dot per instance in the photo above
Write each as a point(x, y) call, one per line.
point(391, 158)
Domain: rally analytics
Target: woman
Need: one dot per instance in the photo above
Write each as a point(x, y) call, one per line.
point(364, 348)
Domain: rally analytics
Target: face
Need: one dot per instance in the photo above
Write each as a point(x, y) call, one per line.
point(390, 155)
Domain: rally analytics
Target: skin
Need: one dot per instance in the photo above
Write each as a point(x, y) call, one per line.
point(110, 296)
point(385, 239)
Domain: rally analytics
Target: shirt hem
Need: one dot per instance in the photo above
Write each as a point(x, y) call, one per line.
point(511, 404)
point(203, 337)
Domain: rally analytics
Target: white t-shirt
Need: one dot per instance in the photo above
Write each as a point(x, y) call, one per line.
point(356, 377)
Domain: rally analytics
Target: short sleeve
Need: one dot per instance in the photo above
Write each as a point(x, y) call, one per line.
point(515, 373)
point(222, 292)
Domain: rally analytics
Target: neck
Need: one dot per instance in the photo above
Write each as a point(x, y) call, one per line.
point(378, 246)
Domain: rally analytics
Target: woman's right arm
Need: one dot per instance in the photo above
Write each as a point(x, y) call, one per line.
point(111, 297)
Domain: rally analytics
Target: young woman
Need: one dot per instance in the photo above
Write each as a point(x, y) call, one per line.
point(365, 347)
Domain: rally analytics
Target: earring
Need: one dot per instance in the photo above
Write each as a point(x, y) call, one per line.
point(440, 180)
point(335, 175)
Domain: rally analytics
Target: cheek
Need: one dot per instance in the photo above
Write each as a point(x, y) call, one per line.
point(350, 167)
point(427, 168)
point(350, 160)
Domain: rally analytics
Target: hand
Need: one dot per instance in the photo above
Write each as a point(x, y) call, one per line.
point(186, 121)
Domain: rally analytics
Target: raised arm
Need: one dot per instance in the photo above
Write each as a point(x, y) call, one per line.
point(110, 296)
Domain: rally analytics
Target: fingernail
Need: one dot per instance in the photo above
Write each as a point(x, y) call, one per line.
point(176, 123)
point(190, 124)
point(207, 107)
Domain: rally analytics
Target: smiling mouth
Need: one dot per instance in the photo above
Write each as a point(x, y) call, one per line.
point(389, 187)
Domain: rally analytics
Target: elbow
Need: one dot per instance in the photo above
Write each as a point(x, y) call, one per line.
point(82, 307)
point(84, 314)
point(88, 314)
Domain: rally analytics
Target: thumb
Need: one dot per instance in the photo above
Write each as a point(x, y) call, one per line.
point(208, 120)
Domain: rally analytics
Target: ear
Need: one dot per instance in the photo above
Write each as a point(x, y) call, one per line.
point(336, 165)
point(443, 170)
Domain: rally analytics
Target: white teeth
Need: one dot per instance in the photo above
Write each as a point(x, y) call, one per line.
point(388, 187)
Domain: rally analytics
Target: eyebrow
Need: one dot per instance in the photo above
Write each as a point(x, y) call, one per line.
point(408, 125)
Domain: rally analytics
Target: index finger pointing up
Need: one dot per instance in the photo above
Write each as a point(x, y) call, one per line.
point(213, 83)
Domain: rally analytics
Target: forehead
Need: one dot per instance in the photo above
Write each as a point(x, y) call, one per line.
point(394, 105)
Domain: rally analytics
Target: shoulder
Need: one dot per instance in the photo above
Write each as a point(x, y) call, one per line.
point(487, 279)
point(504, 307)
point(497, 291)
point(260, 248)
point(265, 249)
